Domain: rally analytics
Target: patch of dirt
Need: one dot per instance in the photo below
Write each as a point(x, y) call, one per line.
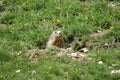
point(90, 44)
point(64, 52)
point(3, 25)
point(99, 34)
point(69, 52)
point(34, 53)
point(77, 44)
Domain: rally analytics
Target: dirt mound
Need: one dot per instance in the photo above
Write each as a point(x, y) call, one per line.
point(77, 50)
point(99, 34)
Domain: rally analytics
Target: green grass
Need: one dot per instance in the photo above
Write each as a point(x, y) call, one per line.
point(26, 23)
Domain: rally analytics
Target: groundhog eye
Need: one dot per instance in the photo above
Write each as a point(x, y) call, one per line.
point(55, 32)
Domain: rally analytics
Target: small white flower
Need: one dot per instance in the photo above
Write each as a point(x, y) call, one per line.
point(17, 71)
point(19, 53)
point(115, 71)
point(114, 65)
point(100, 62)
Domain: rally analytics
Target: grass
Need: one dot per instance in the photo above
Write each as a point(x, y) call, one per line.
point(26, 23)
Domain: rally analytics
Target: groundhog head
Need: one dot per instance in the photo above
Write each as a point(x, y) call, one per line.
point(57, 33)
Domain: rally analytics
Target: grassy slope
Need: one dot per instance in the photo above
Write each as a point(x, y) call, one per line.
point(23, 23)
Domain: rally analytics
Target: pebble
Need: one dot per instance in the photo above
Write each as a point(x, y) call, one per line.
point(84, 50)
point(73, 54)
point(100, 62)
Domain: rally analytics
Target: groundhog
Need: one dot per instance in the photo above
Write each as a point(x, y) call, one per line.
point(56, 39)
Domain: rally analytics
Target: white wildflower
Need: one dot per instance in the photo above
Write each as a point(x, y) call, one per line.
point(17, 71)
point(115, 71)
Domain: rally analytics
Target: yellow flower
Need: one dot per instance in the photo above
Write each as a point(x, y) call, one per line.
point(111, 29)
point(111, 18)
point(50, 68)
point(78, 70)
point(1, 76)
point(58, 21)
point(66, 73)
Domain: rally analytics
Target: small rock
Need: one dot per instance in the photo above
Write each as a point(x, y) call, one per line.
point(99, 31)
point(63, 52)
point(100, 62)
point(115, 72)
point(84, 50)
point(73, 54)
point(17, 71)
point(77, 55)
